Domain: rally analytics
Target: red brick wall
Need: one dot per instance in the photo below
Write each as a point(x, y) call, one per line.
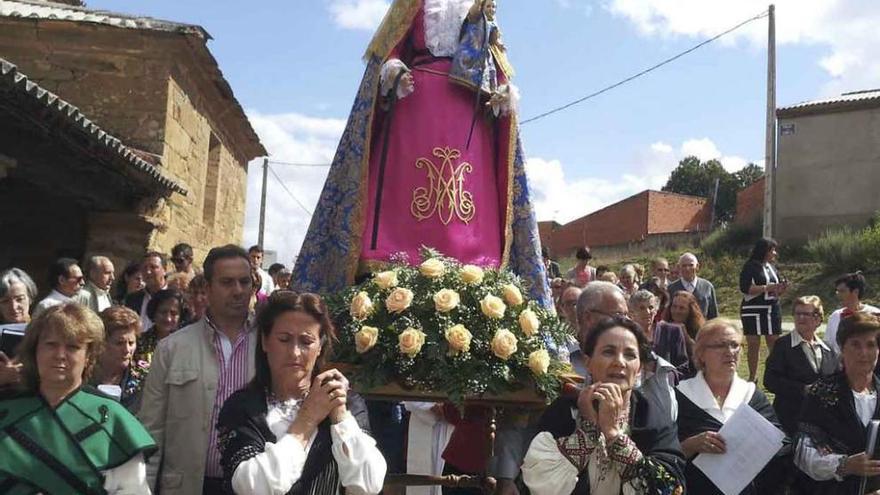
point(670, 213)
point(628, 221)
point(750, 203)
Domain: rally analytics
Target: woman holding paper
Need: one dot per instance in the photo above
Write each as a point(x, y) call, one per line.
point(833, 426)
point(610, 438)
point(708, 400)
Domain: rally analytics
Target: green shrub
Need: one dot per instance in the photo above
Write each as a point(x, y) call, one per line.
point(847, 249)
point(732, 239)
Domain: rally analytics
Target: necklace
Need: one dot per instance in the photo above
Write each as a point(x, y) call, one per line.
point(286, 408)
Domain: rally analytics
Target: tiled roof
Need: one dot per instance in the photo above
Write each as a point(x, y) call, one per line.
point(11, 78)
point(846, 101)
point(40, 9)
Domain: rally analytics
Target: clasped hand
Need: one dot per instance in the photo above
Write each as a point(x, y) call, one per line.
point(327, 398)
point(611, 406)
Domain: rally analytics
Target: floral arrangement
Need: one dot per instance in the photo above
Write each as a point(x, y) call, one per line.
point(446, 327)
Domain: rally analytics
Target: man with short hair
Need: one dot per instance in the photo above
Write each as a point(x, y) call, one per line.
point(850, 290)
point(194, 370)
point(702, 289)
point(153, 273)
point(66, 279)
point(96, 293)
point(182, 258)
point(597, 302)
point(568, 303)
point(660, 272)
point(255, 253)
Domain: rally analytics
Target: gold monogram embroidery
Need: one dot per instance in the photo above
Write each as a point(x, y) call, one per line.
point(445, 194)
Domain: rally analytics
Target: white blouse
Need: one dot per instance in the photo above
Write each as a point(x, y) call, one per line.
point(697, 390)
point(274, 471)
point(129, 478)
point(822, 465)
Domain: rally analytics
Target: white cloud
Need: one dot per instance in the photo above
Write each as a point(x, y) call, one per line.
point(296, 138)
point(358, 14)
point(563, 199)
point(848, 28)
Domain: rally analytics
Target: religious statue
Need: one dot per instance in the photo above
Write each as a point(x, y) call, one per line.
point(430, 156)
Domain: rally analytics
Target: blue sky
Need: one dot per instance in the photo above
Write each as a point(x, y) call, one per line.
point(295, 66)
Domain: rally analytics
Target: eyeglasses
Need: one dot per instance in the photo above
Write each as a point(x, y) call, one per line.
point(569, 304)
point(78, 279)
point(720, 346)
point(661, 269)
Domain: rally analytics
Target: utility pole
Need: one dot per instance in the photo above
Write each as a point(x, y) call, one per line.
point(770, 130)
point(263, 202)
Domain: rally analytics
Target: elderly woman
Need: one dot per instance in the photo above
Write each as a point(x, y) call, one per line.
point(761, 287)
point(17, 294)
point(294, 429)
point(836, 412)
point(57, 436)
point(611, 438)
point(798, 361)
point(665, 339)
point(117, 373)
point(708, 400)
point(165, 310)
point(629, 279)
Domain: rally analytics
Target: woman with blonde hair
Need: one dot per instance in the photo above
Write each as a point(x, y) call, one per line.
point(58, 436)
point(798, 361)
point(708, 400)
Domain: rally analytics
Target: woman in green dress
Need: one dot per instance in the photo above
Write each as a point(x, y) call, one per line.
point(58, 436)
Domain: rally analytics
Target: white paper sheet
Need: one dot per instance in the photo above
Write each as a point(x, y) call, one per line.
point(751, 442)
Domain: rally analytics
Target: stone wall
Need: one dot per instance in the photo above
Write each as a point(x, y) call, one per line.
point(115, 77)
point(188, 137)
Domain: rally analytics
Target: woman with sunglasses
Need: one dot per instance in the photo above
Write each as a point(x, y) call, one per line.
point(708, 400)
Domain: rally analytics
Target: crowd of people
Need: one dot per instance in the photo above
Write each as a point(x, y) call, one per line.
point(213, 380)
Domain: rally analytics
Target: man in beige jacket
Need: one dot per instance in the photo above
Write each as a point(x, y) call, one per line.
point(193, 371)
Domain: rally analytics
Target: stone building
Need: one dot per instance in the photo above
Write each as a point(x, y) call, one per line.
point(644, 221)
point(117, 134)
point(828, 165)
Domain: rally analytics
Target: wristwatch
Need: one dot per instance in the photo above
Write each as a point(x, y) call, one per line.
point(841, 467)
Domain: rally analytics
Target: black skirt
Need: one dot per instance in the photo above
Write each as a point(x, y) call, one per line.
point(761, 317)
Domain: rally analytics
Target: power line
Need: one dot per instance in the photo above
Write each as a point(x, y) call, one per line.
point(292, 164)
point(288, 192)
point(649, 69)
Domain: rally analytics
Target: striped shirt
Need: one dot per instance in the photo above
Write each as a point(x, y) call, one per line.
point(233, 375)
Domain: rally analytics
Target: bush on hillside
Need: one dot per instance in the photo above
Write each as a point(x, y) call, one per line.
point(734, 239)
point(847, 249)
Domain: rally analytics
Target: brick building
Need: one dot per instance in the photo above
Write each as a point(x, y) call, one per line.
point(118, 134)
point(645, 220)
point(750, 203)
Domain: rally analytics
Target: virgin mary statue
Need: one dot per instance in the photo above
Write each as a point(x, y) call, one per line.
point(430, 156)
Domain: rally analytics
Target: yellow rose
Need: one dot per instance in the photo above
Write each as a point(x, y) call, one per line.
point(446, 300)
point(528, 322)
point(503, 344)
point(493, 307)
point(410, 341)
point(398, 300)
point(361, 306)
point(386, 280)
point(512, 295)
point(539, 362)
point(471, 274)
point(459, 339)
point(365, 339)
point(432, 268)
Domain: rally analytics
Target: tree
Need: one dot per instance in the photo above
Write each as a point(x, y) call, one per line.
point(697, 178)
